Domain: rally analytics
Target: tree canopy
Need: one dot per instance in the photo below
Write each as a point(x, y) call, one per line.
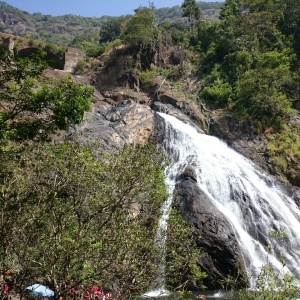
point(31, 107)
point(252, 62)
point(72, 219)
point(141, 28)
point(191, 10)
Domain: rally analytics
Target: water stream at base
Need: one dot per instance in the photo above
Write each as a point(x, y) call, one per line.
point(225, 175)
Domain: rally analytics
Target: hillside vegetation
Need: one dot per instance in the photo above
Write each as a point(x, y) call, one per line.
point(62, 30)
point(68, 210)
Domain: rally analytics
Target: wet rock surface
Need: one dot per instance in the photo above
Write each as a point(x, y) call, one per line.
point(241, 137)
point(216, 235)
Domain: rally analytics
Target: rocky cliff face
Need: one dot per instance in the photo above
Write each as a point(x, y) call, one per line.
point(240, 136)
point(114, 126)
point(17, 25)
point(129, 122)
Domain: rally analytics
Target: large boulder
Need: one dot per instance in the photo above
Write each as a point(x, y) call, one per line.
point(222, 255)
point(186, 106)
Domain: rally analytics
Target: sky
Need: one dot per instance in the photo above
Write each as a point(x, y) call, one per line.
point(88, 8)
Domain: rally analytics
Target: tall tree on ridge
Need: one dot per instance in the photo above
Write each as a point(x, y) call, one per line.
point(230, 8)
point(191, 10)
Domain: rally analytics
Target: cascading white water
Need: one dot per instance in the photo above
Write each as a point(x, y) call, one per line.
point(223, 173)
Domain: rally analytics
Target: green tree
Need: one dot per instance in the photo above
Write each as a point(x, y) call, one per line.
point(111, 30)
point(140, 30)
point(218, 94)
point(191, 10)
point(66, 102)
point(89, 43)
point(262, 91)
point(29, 107)
point(69, 219)
point(290, 23)
point(229, 9)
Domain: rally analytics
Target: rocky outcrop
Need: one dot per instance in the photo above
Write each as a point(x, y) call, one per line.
point(175, 112)
point(186, 106)
point(241, 136)
point(125, 123)
point(216, 237)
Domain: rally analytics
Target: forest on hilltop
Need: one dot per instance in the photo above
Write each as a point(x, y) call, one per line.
point(62, 30)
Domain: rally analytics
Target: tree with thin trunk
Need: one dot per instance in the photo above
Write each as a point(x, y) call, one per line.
point(192, 11)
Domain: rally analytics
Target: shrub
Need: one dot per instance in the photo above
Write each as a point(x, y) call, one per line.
point(218, 94)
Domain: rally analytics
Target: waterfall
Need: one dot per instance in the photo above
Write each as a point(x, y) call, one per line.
point(223, 173)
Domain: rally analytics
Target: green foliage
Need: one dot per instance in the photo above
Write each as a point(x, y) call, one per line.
point(261, 92)
point(141, 28)
point(272, 286)
point(183, 254)
point(257, 70)
point(218, 94)
point(284, 151)
point(235, 64)
point(80, 67)
point(68, 101)
point(147, 77)
point(89, 43)
point(112, 29)
point(175, 33)
point(71, 219)
point(191, 10)
point(34, 107)
point(290, 23)
point(269, 283)
point(229, 9)
point(275, 7)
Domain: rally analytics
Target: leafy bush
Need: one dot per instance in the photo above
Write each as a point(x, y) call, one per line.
point(182, 269)
point(261, 94)
point(148, 77)
point(218, 94)
point(75, 215)
point(272, 286)
point(284, 152)
point(53, 105)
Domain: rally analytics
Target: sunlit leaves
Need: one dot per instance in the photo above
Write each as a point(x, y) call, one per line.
point(29, 107)
point(70, 218)
point(141, 28)
point(182, 269)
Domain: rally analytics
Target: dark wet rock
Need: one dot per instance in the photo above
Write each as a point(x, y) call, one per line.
point(241, 136)
point(175, 112)
point(189, 174)
point(187, 107)
point(216, 235)
point(296, 196)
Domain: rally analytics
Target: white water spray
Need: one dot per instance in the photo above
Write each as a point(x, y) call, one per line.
point(223, 173)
